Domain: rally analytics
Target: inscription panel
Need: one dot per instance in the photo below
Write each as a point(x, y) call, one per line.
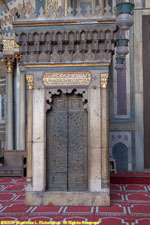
point(66, 79)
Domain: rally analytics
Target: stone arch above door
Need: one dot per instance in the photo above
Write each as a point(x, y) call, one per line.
point(120, 153)
point(50, 92)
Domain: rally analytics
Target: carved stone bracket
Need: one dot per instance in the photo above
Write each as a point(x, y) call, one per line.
point(104, 80)
point(30, 80)
point(49, 96)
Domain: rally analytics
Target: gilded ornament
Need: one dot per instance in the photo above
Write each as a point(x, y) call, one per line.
point(51, 4)
point(15, 44)
point(8, 45)
point(9, 64)
point(66, 78)
point(104, 80)
point(30, 81)
point(19, 59)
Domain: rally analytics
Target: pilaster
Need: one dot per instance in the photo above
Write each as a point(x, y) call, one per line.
point(105, 130)
point(29, 79)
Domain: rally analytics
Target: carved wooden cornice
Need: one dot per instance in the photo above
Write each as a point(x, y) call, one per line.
point(58, 46)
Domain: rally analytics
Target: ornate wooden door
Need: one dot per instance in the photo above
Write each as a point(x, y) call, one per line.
point(67, 144)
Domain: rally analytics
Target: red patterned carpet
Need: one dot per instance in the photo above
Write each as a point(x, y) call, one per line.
point(130, 205)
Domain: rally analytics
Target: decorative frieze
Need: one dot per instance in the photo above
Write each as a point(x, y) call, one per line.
point(66, 78)
point(104, 80)
point(30, 80)
point(56, 46)
point(52, 11)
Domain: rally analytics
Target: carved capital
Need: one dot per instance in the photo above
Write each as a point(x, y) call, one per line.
point(19, 59)
point(30, 80)
point(9, 64)
point(104, 80)
point(8, 45)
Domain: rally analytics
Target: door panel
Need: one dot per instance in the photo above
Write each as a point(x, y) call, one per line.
point(57, 145)
point(67, 144)
point(77, 145)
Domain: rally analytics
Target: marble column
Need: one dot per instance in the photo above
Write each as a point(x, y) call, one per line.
point(9, 134)
point(17, 111)
point(105, 130)
point(29, 129)
point(22, 110)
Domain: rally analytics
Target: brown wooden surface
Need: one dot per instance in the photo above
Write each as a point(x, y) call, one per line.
point(67, 144)
point(146, 83)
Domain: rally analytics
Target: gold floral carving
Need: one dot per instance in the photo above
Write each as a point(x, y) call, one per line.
point(66, 78)
point(19, 59)
point(53, 4)
point(8, 45)
point(15, 43)
point(104, 80)
point(9, 64)
point(30, 80)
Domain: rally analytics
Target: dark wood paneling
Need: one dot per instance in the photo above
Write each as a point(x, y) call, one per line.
point(146, 86)
point(57, 145)
point(77, 144)
point(67, 144)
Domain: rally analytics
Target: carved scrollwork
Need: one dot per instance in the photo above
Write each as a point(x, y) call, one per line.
point(49, 96)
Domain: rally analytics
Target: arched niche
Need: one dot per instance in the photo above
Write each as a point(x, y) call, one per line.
point(120, 153)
